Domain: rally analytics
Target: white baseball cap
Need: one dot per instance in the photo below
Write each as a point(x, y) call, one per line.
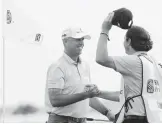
point(75, 33)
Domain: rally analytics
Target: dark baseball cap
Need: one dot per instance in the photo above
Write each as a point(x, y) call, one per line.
point(123, 18)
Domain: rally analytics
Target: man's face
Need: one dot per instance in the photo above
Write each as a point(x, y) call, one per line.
point(74, 46)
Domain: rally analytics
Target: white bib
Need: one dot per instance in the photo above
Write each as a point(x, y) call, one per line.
point(151, 91)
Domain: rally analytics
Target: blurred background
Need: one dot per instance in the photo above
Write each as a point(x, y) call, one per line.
point(31, 38)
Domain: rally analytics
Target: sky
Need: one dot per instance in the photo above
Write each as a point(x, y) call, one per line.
point(26, 61)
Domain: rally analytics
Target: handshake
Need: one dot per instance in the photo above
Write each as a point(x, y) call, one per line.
point(91, 90)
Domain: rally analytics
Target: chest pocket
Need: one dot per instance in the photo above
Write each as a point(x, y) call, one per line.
point(77, 75)
point(73, 76)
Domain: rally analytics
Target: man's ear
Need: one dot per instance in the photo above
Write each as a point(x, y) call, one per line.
point(64, 40)
point(129, 41)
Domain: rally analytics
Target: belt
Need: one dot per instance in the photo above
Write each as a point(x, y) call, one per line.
point(134, 117)
point(77, 120)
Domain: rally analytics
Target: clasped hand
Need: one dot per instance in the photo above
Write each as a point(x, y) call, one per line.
point(92, 90)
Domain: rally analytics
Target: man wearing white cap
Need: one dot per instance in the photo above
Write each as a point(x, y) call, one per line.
point(66, 95)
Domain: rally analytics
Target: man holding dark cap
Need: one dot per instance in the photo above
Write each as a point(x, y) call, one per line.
point(68, 86)
point(141, 75)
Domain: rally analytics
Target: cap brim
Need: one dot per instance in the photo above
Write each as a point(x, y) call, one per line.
point(83, 35)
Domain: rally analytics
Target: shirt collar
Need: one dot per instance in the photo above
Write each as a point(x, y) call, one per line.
point(140, 52)
point(70, 60)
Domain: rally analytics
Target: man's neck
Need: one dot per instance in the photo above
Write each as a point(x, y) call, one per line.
point(136, 52)
point(131, 52)
point(75, 58)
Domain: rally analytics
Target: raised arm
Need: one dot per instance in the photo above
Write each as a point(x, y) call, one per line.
point(102, 56)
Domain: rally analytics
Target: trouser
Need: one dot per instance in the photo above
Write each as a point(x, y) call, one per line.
point(54, 118)
point(135, 119)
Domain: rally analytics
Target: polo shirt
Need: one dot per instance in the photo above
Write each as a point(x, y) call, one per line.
point(70, 77)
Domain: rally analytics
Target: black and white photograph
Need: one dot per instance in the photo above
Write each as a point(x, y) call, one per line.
point(81, 61)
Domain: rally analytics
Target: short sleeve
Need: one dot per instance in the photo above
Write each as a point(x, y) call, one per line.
point(55, 78)
point(127, 64)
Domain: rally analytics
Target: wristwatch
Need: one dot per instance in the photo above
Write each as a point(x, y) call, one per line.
point(106, 112)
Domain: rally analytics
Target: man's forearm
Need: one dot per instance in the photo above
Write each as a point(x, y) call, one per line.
point(102, 52)
point(64, 100)
point(113, 96)
point(97, 105)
